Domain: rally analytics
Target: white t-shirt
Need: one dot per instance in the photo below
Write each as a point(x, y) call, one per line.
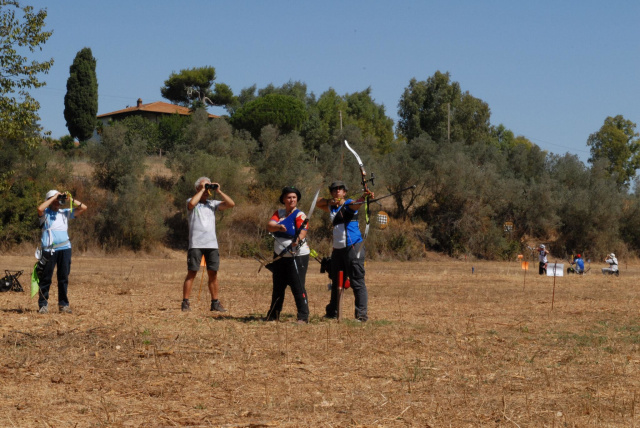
point(202, 224)
point(543, 256)
point(55, 226)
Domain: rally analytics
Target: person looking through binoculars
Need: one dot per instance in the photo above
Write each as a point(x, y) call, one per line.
point(202, 239)
point(56, 246)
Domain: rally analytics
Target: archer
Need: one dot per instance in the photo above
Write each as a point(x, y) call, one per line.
point(347, 242)
point(291, 255)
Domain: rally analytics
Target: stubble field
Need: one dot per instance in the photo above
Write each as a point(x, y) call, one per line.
point(443, 347)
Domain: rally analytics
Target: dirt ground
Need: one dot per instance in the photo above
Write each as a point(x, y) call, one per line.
point(443, 347)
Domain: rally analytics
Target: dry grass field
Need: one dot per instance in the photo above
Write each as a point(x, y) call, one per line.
point(443, 348)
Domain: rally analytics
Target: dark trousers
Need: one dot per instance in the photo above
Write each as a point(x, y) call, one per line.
point(285, 274)
point(346, 260)
point(62, 260)
point(542, 268)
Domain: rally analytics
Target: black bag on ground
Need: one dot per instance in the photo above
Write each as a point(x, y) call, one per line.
point(10, 281)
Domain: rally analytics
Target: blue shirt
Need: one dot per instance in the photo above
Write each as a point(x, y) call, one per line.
point(345, 233)
point(55, 226)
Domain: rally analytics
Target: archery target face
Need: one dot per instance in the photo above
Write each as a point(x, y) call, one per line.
point(382, 220)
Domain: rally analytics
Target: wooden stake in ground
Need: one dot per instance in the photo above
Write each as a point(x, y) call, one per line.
point(554, 269)
point(525, 268)
point(202, 263)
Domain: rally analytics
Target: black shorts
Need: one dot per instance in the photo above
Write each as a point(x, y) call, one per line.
point(211, 257)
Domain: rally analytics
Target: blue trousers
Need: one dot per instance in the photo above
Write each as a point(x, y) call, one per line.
point(62, 260)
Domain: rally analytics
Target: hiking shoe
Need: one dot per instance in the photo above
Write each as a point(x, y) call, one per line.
point(64, 309)
point(217, 306)
point(43, 310)
point(186, 307)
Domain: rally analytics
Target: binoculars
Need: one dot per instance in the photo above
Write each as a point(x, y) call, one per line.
point(62, 198)
point(211, 186)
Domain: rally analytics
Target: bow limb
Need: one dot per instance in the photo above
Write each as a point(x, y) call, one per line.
point(365, 188)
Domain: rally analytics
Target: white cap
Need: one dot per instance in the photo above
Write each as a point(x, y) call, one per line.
point(51, 194)
point(542, 246)
point(613, 256)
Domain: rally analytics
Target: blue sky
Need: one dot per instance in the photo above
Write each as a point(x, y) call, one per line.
point(549, 70)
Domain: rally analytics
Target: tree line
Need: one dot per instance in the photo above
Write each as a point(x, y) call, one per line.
point(472, 177)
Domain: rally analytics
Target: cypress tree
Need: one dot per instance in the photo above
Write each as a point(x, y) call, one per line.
point(81, 99)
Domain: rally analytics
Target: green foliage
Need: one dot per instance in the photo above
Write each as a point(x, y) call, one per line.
point(21, 34)
point(408, 166)
point(216, 137)
point(285, 112)
point(464, 192)
point(81, 99)
point(430, 106)
point(34, 175)
point(66, 142)
point(293, 89)
point(193, 87)
point(630, 220)
point(23, 164)
point(371, 118)
point(117, 156)
point(283, 161)
point(133, 216)
point(172, 131)
point(618, 143)
point(142, 131)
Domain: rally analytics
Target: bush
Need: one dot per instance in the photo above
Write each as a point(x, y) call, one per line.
point(133, 217)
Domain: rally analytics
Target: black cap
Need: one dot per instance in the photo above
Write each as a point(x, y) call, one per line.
point(289, 189)
point(337, 184)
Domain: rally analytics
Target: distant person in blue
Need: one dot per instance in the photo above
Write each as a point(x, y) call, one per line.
point(56, 246)
point(579, 265)
point(347, 256)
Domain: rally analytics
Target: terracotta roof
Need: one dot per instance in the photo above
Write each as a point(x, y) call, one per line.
point(155, 107)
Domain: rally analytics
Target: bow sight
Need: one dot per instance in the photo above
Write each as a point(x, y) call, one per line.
point(370, 180)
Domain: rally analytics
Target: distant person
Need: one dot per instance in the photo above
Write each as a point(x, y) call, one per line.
point(202, 239)
point(613, 265)
point(579, 265)
point(56, 246)
point(347, 255)
point(286, 224)
point(542, 258)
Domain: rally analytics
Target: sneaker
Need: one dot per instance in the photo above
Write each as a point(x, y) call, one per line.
point(186, 306)
point(43, 310)
point(217, 306)
point(64, 309)
point(303, 321)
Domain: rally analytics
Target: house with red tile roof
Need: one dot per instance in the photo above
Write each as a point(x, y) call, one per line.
point(152, 111)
